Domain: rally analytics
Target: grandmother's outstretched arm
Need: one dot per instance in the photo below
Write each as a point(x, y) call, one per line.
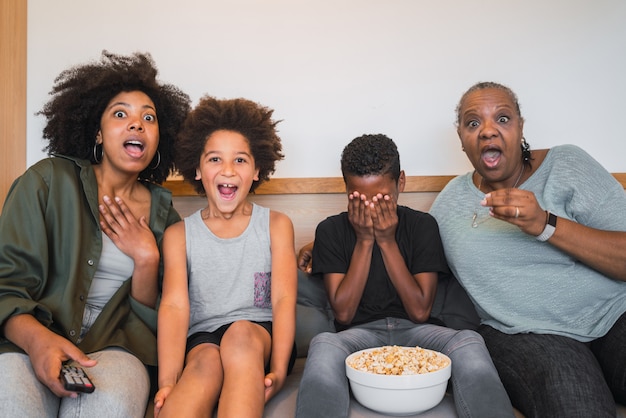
point(604, 251)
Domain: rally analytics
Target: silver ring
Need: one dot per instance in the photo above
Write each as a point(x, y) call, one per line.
point(516, 212)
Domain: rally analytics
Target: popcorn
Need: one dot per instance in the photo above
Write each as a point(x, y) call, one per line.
point(394, 360)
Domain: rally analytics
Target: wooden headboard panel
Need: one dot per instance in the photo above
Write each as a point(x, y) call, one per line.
point(308, 201)
point(315, 185)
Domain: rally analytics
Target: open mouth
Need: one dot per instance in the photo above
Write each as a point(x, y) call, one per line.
point(227, 191)
point(135, 148)
point(491, 157)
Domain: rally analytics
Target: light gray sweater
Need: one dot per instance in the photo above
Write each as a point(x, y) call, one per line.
point(519, 284)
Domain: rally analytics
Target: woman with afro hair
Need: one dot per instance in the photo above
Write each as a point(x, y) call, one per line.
point(80, 237)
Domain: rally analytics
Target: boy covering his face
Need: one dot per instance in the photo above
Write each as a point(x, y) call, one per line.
point(380, 263)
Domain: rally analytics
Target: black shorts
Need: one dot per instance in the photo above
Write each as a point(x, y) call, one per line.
point(216, 336)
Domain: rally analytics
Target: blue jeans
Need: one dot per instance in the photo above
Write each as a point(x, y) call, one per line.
point(121, 380)
point(555, 376)
point(324, 389)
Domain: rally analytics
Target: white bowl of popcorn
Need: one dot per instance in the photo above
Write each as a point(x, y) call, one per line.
point(396, 380)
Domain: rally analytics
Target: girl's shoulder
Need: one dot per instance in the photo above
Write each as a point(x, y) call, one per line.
point(279, 218)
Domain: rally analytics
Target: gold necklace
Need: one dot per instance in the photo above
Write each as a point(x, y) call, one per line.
point(475, 221)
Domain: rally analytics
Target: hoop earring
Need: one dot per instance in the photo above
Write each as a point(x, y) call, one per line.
point(526, 153)
point(158, 160)
point(95, 153)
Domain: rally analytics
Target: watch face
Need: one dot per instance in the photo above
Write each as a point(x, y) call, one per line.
point(552, 219)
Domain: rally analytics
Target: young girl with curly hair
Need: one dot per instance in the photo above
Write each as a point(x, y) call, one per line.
point(227, 317)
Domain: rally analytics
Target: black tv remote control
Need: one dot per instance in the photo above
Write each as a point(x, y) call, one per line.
point(76, 380)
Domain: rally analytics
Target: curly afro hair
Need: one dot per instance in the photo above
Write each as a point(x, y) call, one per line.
point(80, 95)
point(246, 117)
point(370, 155)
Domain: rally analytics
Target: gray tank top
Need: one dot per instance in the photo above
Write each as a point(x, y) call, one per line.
point(229, 279)
point(114, 269)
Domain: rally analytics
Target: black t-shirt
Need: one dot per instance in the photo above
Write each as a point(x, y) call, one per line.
point(418, 238)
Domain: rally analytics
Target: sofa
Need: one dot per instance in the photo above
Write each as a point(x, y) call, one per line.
point(314, 316)
point(306, 209)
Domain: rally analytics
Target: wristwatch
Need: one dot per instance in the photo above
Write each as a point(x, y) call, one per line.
point(548, 231)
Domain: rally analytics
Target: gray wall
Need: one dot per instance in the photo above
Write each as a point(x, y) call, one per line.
point(334, 69)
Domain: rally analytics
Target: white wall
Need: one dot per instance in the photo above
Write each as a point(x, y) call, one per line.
point(335, 69)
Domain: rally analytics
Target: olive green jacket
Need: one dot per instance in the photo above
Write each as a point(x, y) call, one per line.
point(50, 246)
